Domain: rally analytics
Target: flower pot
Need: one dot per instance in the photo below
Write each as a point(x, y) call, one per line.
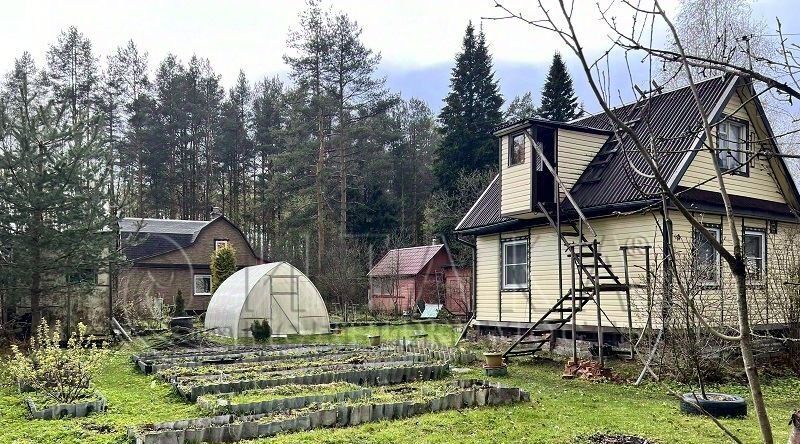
point(374, 340)
point(493, 359)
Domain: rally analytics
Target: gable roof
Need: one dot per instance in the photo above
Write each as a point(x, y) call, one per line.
point(405, 261)
point(671, 119)
point(611, 181)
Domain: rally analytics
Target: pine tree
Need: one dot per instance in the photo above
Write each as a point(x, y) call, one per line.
point(558, 96)
point(72, 72)
point(53, 214)
point(472, 109)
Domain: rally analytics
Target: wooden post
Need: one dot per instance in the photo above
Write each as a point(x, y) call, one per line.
point(596, 280)
point(628, 295)
point(574, 327)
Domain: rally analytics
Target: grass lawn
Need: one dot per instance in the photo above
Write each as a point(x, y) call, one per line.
point(560, 411)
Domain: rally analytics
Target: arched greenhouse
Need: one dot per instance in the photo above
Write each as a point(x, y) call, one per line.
point(276, 292)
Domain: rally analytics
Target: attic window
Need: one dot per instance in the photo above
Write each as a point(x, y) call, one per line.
point(516, 149)
point(732, 150)
point(595, 169)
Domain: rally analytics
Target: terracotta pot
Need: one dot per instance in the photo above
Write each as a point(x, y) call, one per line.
point(374, 340)
point(493, 359)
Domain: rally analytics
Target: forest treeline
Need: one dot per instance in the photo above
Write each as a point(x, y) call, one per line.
point(325, 168)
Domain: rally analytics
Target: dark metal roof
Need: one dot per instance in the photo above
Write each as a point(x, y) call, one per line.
point(670, 119)
point(405, 261)
point(143, 238)
point(552, 124)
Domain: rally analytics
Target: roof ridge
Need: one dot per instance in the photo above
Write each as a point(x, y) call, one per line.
point(663, 92)
point(170, 220)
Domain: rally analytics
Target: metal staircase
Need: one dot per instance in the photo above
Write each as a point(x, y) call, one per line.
point(590, 276)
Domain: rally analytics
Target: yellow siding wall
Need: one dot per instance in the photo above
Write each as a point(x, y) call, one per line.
point(760, 184)
point(515, 180)
point(721, 301)
point(545, 248)
point(575, 151)
point(488, 282)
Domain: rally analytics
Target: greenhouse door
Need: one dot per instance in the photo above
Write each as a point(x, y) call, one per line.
point(284, 305)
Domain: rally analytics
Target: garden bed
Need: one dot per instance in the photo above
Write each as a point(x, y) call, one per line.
point(281, 398)
point(78, 409)
point(391, 405)
point(151, 363)
point(381, 374)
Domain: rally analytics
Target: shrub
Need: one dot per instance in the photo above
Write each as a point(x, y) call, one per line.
point(63, 375)
point(261, 330)
point(223, 264)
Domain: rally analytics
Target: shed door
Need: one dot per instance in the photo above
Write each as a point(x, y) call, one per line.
point(284, 305)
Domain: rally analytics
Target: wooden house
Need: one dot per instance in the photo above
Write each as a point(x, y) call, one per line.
point(405, 276)
point(168, 256)
point(573, 205)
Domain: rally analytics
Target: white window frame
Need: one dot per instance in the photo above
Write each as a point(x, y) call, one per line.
point(504, 264)
point(219, 243)
point(763, 259)
point(732, 160)
point(194, 284)
point(717, 258)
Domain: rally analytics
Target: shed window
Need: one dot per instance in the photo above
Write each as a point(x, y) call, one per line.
point(731, 154)
point(220, 243)
point(516, 150)
point(515, 265)
point(202, 285)
point(754, 248)
point(707, 259)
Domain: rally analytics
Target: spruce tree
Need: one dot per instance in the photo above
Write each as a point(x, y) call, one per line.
point(558, 96)
point(472, 109)
point(522, 107)
point(223, 265)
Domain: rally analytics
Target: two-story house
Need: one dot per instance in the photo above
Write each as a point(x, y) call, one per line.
point(168, 256)
point(579, 191)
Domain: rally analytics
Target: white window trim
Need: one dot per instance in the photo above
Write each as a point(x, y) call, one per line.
point(217, 243)
point(763, 257)
point(717, 258)
point(194, 284)
point(739, 155)
point(504, 264)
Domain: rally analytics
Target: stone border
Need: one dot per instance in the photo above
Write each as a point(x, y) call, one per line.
point(370, 376)
point(277, 405)
point(58, 411)
point(433, 351)
point(230, 428)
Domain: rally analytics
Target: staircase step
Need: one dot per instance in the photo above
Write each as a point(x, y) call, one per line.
point(604, 287)
point(567, 310)
point(569, 297)
point(586, 254)
point(570, 234)
point(522, 352)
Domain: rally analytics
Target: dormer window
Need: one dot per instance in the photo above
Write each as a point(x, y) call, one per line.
point(732, 149)
point(516, 150)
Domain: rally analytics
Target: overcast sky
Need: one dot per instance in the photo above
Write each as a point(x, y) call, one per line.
point(417, 38)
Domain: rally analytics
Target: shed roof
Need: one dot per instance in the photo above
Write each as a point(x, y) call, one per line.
point(405, 261)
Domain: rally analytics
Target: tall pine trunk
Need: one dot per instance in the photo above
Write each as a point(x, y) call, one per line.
point(320, 192)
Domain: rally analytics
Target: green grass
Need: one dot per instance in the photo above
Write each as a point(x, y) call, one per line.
point(560, 409)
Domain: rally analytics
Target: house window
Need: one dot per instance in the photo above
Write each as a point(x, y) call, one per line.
point(219, 243)
point(202, 285)
point(515, 264)
point(707, 259)
point(732, 138)
point(516, 150)
point(754, 248)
